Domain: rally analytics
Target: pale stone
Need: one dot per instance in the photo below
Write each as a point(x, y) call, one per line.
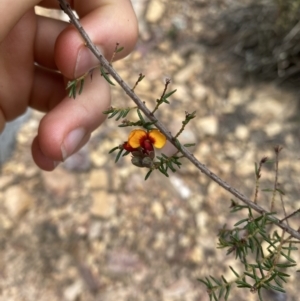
point(178, 289)
point(59, 182)
point(160, 240)
point(181, 187)
point(158, 210)
point(242, 132)
point(236, 97)
point(155, 11)
point(208, 125)
point(177, 59)
point(73, 291)
point(98, 179)
point(272, 129)
point(196, 255)
point(104, 204)
point(185, 74)
point(200, 93)
point(97, 158)
point(184, 241)
point(17, 201)
point(201, 220)
point(95, 229)
point(5, 180)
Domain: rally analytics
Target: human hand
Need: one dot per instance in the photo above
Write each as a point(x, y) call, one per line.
point(26, 38)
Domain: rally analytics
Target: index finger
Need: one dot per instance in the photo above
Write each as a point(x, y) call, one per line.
point(107, 22)
point(11, 13)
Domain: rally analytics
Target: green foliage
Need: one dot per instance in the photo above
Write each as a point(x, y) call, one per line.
point(265, 256)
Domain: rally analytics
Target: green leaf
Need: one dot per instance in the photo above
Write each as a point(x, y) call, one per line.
point(113, 149)
point(140, 116)
point(205, 283)
point(119, 49)
point(234, 272)
point(147, 176)
point(288, 257)
point(278, 282)
point(221, 293)
point(169, 94)
point(277, 288)
point(285, 265)
point(103, 72)
point(290, 248)
point(189, 144)
point(259, 294)
point(169, 163)
point(227, 292)
point(177, 143)
point(119, 155)
point(113, 114)
point(120, 115)
point(249, 275)
point(241, 221)
point(224, 280)
point(280, 191)
point(81, 86)
point(126, 153)
point(125, 113)
point(216, 281)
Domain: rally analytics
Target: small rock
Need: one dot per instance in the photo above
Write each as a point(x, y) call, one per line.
point(185, 74)
point(196, 255)
point(155, 11)
point(59, 182)
point(95, 230)
point(242, 132)
point(104, 204)
point(272, 129)
point(200, 93)
point(98, 179)
point(17, 201)
point(79, 161)
point(181, 187)
point(5, 180)
point(73, 291)
point(208, 125)
point(178, 288)
point(158, 210)
point(123, 261)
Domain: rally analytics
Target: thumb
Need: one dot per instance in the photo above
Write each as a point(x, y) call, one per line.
point(106, 23)
point(11, 12)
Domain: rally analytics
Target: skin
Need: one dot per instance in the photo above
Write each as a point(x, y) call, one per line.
point(26, 39)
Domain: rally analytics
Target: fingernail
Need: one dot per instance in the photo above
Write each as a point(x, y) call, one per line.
point(86, 60)
point(71, 142)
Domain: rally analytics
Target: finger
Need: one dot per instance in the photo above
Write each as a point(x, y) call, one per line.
point(11, 13)
point(106, 23)
point(48, 89)
point(67, 127)
point(16, 67)
point(46, 34)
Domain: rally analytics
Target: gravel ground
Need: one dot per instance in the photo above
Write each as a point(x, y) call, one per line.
point(95, 230)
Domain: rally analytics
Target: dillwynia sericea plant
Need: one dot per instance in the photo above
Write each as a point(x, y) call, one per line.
point(265, 253)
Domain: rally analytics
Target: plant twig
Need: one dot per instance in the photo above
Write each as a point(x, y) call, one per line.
point(106, 65)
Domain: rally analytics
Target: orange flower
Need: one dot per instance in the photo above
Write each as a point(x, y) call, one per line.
point(141, 145)
point(141, 138)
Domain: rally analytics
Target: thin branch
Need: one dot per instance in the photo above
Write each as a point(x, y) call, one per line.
point(67, 9)
point(277, 150)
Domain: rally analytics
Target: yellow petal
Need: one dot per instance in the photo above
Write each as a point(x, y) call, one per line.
point(135, 137)
point(158, 137)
